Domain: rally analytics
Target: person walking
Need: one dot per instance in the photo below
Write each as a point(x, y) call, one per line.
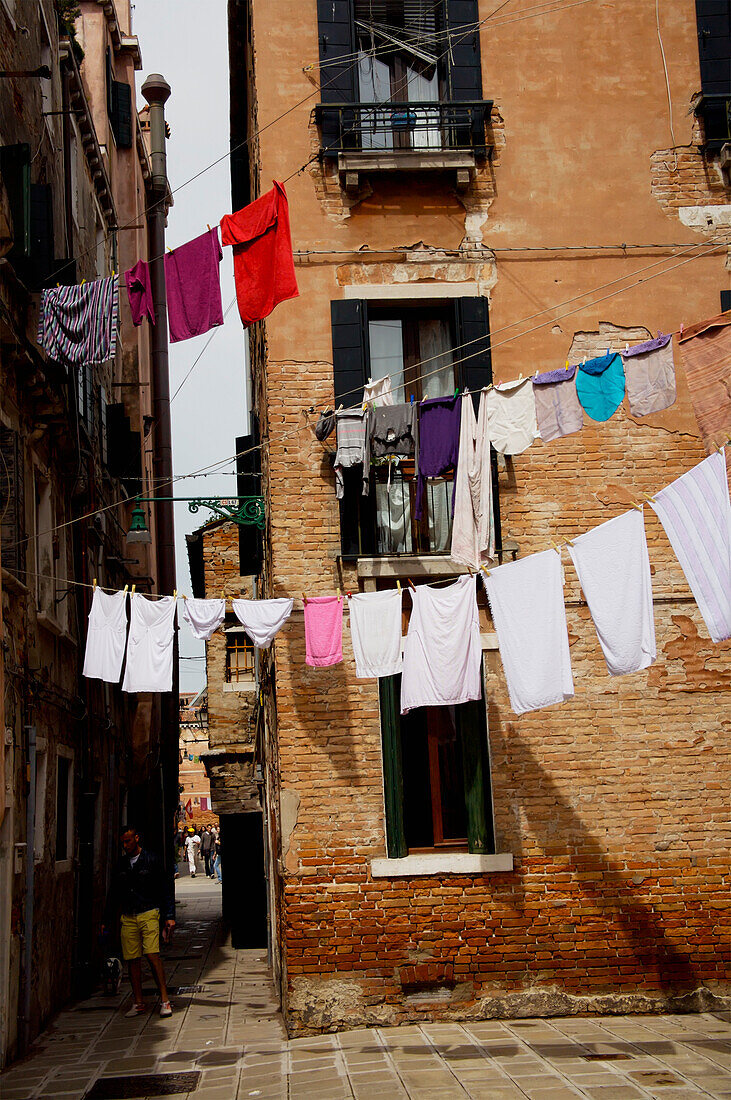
point(217, 856)
point(141, 894)
point(192, 846)
point(207, 850)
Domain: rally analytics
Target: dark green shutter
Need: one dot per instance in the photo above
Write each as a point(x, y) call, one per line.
point(248, 483)
point(351, 351)
point(12, 506)
point(41, 233)
point(122, 114)
point(393, 779)
point(713, 18)
point(338, 72)
point(472, 725)
point(472, 343)
point(15, 168)
point(464, 40)
point(110, 82)
point(351, 366)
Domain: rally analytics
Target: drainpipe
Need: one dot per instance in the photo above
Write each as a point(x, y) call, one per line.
point(156, 91)
point(30, 867)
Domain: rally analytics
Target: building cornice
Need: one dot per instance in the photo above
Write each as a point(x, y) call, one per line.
point(89, 141)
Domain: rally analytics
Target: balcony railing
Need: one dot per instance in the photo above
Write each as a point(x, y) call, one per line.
point(415, 127)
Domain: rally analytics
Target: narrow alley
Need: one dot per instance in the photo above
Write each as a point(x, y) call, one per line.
point(226, 1041)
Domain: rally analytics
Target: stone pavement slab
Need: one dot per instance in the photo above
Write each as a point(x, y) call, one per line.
point(227, 1027)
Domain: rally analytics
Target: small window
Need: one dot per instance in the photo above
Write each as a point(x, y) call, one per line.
point(45, 558)
point(437, 776)
point(64, 814)
point(239, 657)
point(39, 838)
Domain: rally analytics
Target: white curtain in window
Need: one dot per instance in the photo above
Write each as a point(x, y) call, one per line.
point(387, 355)
point(374, 77)
point(435, 348)
point(426, 134)
point(393, 517)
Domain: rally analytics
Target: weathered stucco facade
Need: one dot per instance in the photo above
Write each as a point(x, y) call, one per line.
point(71, 448)
point(585, 230)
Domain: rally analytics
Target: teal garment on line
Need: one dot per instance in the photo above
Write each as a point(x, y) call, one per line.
point(600, 385)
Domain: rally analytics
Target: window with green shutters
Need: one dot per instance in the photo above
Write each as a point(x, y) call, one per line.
point(436, 774)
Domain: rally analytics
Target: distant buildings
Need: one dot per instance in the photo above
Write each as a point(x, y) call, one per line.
point(75, 446)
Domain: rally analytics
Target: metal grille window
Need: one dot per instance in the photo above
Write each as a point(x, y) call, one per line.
point(239, 657)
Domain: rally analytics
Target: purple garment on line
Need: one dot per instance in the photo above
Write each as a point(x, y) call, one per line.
point(139, 292)
point(439, 421)
point(193, 286)
point(659, 341)
point(561, 374)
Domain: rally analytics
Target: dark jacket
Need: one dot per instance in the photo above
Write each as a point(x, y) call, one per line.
point(206, 842)
point(139, 888)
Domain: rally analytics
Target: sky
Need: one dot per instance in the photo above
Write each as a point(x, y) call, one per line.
point(210, 410)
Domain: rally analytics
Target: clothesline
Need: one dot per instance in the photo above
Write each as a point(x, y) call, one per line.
point(214, 467)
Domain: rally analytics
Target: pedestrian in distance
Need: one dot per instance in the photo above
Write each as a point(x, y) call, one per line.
point(207, 850)
point(192, 846)
point(217, 857)
point(141, 894)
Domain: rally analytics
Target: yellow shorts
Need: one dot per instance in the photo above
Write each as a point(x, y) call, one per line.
point(140, 934)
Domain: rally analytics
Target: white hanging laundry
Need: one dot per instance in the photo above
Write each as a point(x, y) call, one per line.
point(150, 645)
point(511, 416)
point(203, 616)
point(526, 600)
point(614, 570)
point(696, 514)
point(473, 526)
point(379, 392)
point(375, 627)
point(106, 636)
point(442, 653)
point(263, 619)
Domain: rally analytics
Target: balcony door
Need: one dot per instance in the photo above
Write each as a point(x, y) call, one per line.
point(398, 63)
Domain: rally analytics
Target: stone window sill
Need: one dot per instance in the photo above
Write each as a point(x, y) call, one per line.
point(441, 863)
point(241, 685)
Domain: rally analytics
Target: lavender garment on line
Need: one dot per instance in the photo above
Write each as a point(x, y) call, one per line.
point(558, 409)
point(263, 619)
point(696, 514)
point(438, 448)
point(139, 293)
point(323, 631)
point(649, 374)
point(193, 286)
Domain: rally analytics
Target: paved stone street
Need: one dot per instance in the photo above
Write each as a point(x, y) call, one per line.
point(227, 1041)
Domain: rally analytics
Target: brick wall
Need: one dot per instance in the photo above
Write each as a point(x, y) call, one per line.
point(613, 806)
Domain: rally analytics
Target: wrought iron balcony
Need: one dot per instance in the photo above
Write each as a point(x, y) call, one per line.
point(412, 136)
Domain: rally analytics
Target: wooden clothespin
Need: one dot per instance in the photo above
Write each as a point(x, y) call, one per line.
point(304, 598)
point(94, 584)
point(567, 365)
point(175, 593)
point(469, 570)
point(133, 589)
point(398, 585)
point(647, 498)
point(340, 595)
point(411, 583)
point(125, 589)
point(82, 282)
point(637, 506)
point(208, 226)
point(223, 594)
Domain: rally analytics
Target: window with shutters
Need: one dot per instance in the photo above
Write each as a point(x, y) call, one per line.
point(436, 772)
point(427, 352)
point(403, 78)
point(713, 19)
point(12, 504)
point(119, 106)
